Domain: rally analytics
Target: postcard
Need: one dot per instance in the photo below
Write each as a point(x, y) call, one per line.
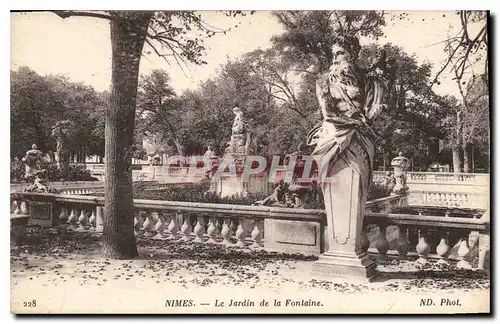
point(250, 162)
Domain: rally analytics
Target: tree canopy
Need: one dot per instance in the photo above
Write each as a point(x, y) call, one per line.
point(39, 102)
point(275, 87)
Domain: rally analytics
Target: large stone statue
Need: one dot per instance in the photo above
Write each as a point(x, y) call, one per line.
point(350, 99)
point(240, 135)
point(32, 160)
point(62, 132)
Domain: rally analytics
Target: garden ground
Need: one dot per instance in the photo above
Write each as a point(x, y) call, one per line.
point(64, 272)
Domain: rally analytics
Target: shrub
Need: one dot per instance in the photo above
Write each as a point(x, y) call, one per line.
point(198, 193)
point(76, 172)
point(193, 192)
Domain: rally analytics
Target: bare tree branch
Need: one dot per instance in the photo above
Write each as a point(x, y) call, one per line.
point(69, 13)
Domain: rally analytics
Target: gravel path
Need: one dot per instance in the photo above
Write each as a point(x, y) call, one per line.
point(63, 272)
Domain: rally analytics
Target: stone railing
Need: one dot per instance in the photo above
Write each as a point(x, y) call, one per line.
point(479, 179)
point(465, 190)
point(166, 174)
point(68, 188)
point(289, 230)
point(88, 187)
point(449, 178)
point(444, 238)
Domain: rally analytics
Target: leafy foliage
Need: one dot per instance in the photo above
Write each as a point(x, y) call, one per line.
point(198, 193)
point(77, 172)
point(309, 35)
point(39, 102)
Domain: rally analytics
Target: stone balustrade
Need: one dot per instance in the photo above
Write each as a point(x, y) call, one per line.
point(479, 179)
point(167, 174)
point(290, 230)
point(68, 188)
point(379, 177)
point(449, 178)
point(440, 189)
point(443, 238)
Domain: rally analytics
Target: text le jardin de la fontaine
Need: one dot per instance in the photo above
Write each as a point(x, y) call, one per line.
point(289, 303)
point(247, 303)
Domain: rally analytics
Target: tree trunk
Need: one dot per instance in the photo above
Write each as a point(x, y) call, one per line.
point(456, 159)
point(466, 159)
point(473, 160)
point(179, 147)
point(128, 34)
point(455, 150)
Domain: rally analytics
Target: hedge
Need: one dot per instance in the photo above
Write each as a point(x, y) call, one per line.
point(76, 172)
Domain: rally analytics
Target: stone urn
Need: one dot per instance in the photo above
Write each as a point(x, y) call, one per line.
point(400, 165)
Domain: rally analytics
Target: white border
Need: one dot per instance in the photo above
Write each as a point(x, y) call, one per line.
point(202, 5)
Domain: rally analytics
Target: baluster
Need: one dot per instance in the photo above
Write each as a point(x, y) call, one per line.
point(212, 230)
point(256, 236)
point(443, 248)
point(92, 220)
point(240, 235)
point(484, 247)
point(403, 241)
point(138, 220)
point(364, 242)
point(148, 225)
point(199, 229)
point(226, 231)
point(218, 224)
point(160, 227)
point(233, 226)
point(24, 208)
point(382, 244)
point(99, 221)
point(172, 227)
point(64, 213)
point(82, 220)
point(454, 199)
point(463, 254)
point(422, 248)
point(73, 218)
point(15, 205)
point(186, 229)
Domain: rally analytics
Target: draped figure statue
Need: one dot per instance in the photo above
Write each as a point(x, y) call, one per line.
point(62, 132)
point(350, 99)
point(240, 143)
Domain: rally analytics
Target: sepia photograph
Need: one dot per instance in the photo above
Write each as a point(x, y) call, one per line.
point(250, 162)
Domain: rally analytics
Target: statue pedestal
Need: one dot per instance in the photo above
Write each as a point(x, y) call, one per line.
point(345, 207)
point(237, 183)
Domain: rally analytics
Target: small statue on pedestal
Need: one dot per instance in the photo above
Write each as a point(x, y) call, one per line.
point(32, 160)
point(277, 198)
point(41, 183)
point(62, 132)
point(400, 165)
point(240, 135)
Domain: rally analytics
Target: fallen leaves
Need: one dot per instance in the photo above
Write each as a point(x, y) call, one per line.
point(58, 257)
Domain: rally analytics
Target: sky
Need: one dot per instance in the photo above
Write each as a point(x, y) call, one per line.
point(80, 48)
